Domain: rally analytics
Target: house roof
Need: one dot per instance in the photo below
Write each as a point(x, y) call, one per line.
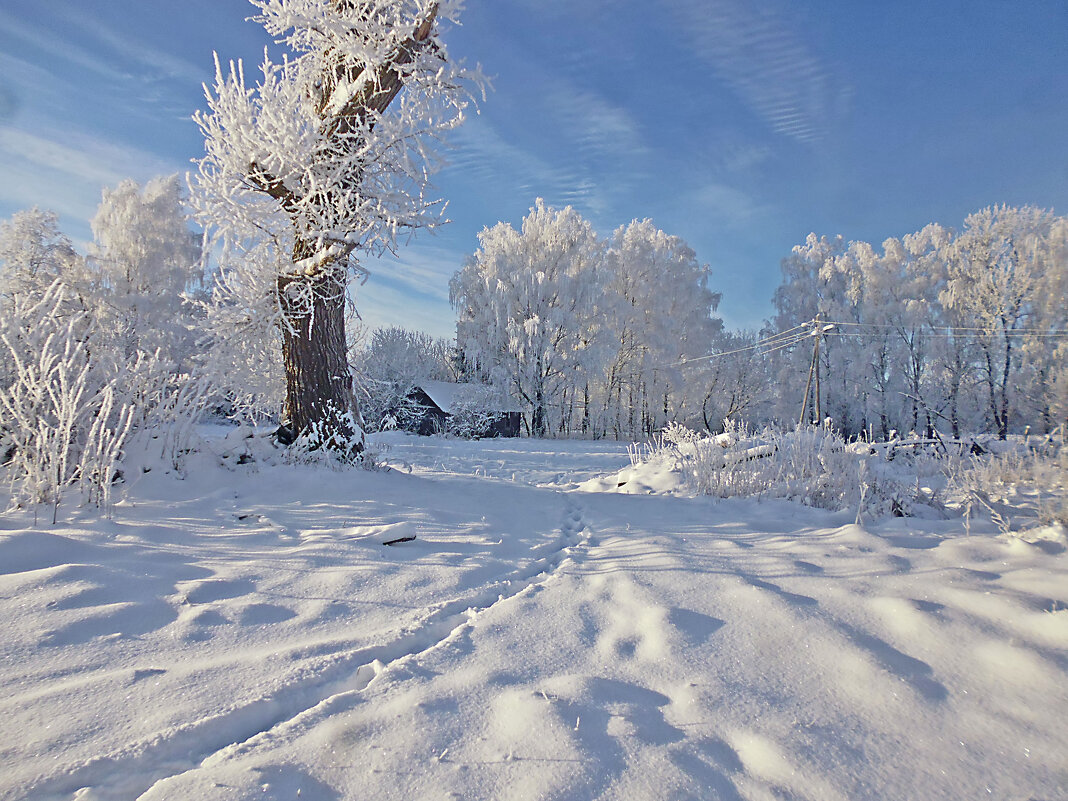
point(448, 396)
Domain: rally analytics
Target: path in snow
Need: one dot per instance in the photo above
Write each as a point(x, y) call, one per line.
point(616, 646)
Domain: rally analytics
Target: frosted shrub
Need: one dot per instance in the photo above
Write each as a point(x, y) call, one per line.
point(1018, 487)
point(470, 419)
point(387, 405)
point(335, 442)
point(1021, 485)
point(168, 405)
point(812, 465)
point(108, 430)
point(64, 425)
point(71, 402)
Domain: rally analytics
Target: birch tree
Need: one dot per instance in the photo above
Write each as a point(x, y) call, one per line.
point(33, 254)
point(1046, 348)
point(525, 301)
point(145, 257)
point(661, 313)
point(995, 269)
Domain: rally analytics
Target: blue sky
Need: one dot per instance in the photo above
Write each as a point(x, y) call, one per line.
point(739, 126)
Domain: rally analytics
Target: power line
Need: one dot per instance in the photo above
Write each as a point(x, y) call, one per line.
point(802, 331)
point(778, 342)
point(1013, 331)
point(943, 334)
point(787, 345)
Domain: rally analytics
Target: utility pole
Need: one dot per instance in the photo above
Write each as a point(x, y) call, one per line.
point(816, 366)
point(811, 371)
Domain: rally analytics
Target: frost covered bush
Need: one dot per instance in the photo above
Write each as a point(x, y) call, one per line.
point(168, 407)
point(64, 423)
point(97, 349)
point(1017, 484)
point(1010, 487)
point(471, 418)
point(812, 465)
point(72, 402)
point(338, 438)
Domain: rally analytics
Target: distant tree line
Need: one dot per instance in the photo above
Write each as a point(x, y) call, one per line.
point(938, 331)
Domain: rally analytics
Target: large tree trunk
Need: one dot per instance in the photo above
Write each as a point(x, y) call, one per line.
point(319, 399)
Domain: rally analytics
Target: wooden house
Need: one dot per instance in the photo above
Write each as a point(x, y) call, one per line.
point(441, 400)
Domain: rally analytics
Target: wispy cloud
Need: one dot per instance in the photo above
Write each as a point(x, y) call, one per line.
point(594, 155)
point(488, 159)
point(421, 267)
point(99, 48)
point(137, 79)
point(744, 157)
point(58, 48)
point(65, 171)
point(763, 61)
point(96, 162)
point(69, 93)
point(388, 300)
point(599, 128)
point(727, 204)
point(153, 62)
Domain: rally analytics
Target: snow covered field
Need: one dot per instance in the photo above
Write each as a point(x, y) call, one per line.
point(244, 633)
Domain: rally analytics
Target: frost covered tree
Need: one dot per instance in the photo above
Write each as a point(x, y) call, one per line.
point(525, 302)
point(1045, 350)
point(882, 328)
point(736, 382)
point(659, 311)
point(325, 158)
point(995, 269)
point(33, 254)
point(947, 382)
point(145, 257)
point(591, 336)
point(915, 313)
point(818, 279)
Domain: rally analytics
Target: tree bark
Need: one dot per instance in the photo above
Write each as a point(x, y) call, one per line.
point(319, 398)
point(538, 423)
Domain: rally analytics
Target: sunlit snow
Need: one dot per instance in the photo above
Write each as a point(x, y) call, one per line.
point(244, 633)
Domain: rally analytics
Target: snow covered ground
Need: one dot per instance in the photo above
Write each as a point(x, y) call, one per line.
point(243, 633)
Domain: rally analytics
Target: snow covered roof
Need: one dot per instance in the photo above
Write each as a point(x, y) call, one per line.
point(448, 396)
